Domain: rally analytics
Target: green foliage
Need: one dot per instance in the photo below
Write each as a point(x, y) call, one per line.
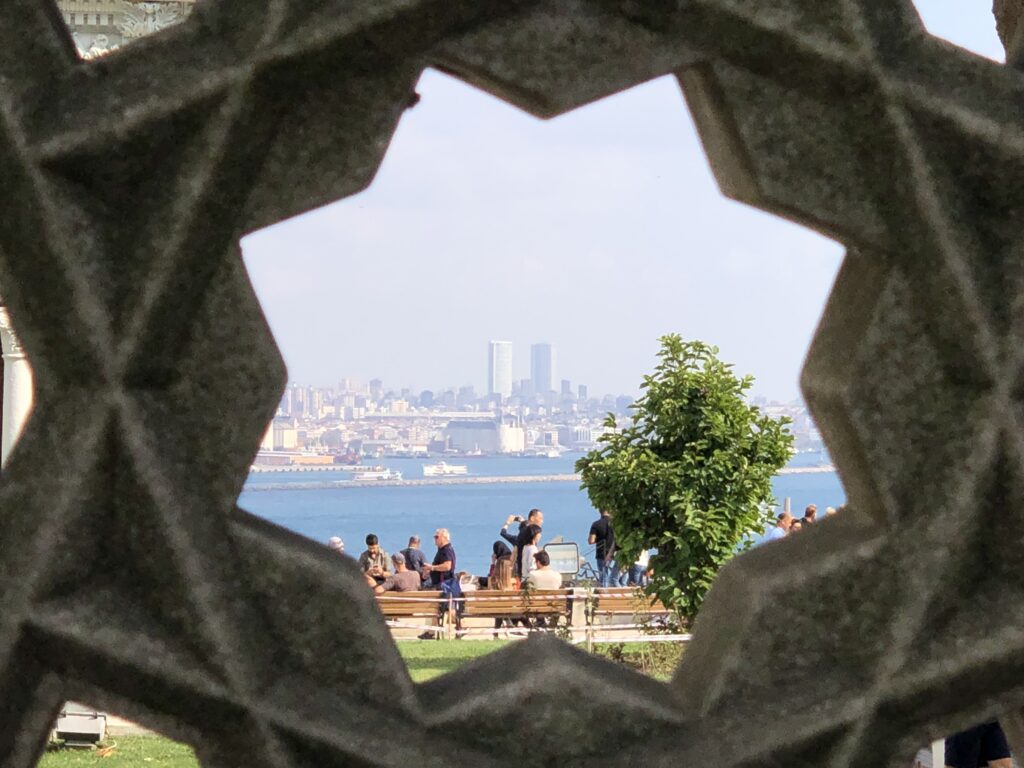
point(690, 474)
point(658, 660)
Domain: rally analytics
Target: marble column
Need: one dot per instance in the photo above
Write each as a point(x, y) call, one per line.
point(17, 387)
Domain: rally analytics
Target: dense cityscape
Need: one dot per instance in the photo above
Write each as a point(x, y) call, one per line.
point(538, 416)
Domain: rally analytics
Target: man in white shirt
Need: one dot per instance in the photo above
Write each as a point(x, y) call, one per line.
point(542, 576)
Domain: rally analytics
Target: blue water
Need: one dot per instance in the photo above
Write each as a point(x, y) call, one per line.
point(473, 513)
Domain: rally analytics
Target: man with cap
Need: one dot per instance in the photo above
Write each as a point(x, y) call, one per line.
point(403, 580)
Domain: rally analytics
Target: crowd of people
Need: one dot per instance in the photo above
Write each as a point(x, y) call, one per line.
point(517, 558)
point(786, 524)
point(515, 564)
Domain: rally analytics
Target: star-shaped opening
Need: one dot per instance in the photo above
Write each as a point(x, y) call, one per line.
point(389, 287)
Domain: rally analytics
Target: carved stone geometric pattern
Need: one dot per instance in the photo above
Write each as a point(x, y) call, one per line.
point(130, 579)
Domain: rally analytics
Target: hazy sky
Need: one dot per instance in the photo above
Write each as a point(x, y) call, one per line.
point(597, 232)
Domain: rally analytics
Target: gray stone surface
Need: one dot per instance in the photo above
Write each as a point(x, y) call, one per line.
point(128, 577)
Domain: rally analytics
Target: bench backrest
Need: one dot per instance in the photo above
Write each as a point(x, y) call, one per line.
point(421, 603)
point(627, 601)
point(536, 602)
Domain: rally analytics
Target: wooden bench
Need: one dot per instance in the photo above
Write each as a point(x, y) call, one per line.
point(422, 605)
point(535, 603)
point(627, 601)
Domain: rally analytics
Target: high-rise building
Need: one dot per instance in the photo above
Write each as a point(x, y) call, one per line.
point(582, 393)
point(542, 368)
point(499, 368)
point(566, 388)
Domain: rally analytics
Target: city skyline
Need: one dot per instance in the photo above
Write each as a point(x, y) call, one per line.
point(598, 231)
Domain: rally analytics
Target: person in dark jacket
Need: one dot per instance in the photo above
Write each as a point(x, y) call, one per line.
point(414, 557)
point(498, 551)
point(524, 536)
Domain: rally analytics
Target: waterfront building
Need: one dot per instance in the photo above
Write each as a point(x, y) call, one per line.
point(267, 443)
point(542, 368)
point(499, 368)
point(101, 26)
point(286, 434)
point(473, 435)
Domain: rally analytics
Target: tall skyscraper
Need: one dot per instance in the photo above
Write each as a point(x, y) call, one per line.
point(542, 368)
point(499, 368)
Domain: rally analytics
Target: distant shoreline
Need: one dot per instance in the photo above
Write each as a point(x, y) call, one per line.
point(467, 480)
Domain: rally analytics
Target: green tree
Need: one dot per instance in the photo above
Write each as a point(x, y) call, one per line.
point(690, 474)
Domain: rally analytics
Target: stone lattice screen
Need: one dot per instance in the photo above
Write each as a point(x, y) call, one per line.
point(129, 578)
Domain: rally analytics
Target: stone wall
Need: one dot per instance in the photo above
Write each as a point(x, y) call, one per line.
point(129, 578)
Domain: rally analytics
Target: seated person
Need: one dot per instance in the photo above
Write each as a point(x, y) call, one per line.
point(498, 552)
point(374, 561)
point(542, 576)
point(531, 535)
point(403, 579)
point(501, 578)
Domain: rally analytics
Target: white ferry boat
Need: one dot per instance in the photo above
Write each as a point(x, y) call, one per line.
point(377, 473)
point(442, 469)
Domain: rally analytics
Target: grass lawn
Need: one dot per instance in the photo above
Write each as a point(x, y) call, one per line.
point(432, 658)
point(426, 660)
point(125, 752)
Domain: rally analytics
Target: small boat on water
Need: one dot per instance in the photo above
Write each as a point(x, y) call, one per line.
point(443, 469)
point(377, 473)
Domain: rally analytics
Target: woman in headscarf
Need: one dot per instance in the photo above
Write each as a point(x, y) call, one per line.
point(498, 551)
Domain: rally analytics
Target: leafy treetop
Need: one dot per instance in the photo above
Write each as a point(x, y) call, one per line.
point(690, 475)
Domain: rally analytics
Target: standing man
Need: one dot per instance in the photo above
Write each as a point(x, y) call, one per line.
point(414, 557)
point(374, 560)
point(443, 566)
point(524, 537)
point(810, 514)
point(603, 538)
